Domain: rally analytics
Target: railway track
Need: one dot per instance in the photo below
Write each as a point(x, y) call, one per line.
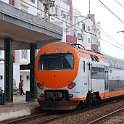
point(106, 116)
point(22, 119)
point(38, 118)
point(52, 116)
point(51, 119)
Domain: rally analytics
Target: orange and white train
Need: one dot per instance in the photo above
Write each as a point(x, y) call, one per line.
point(68, 74)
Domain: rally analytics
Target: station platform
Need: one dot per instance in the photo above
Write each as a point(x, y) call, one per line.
point(18, 108)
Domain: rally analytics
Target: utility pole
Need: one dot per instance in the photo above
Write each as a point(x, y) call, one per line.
point(47, 5)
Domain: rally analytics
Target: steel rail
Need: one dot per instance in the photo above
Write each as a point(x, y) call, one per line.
point(25, 118)
point(53, 119)
point(105, 116)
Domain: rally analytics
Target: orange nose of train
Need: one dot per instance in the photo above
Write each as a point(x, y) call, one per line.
point(56, 78)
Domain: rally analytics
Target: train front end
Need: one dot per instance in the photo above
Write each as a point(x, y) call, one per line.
point(56, 68)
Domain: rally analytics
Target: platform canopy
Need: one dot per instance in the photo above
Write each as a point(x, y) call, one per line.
point(25, 28)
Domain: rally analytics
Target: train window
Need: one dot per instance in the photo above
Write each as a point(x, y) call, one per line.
point(97, 73)
point(61, 61)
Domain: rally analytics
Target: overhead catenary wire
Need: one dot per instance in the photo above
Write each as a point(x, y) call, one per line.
point(112, 38)
point(105, 41)
point(99, 37)
point(95, 35)
point(119, 3)
point(111, 11)
point(77, 23)
point(108, 35)
point(115, 41)
point(112, 44)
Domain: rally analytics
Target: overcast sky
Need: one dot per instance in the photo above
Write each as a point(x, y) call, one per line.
point(109, 23)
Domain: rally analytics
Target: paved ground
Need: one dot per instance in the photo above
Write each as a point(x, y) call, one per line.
point(18, 108)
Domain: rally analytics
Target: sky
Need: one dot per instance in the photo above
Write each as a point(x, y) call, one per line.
point(112, 43)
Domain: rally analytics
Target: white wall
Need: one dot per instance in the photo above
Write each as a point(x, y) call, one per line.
point(33, 8)
point(1, 54)
point(16, 74)
point(17, 56)
point(2, 74)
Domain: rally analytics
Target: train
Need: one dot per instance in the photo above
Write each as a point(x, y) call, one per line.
point(68, 75)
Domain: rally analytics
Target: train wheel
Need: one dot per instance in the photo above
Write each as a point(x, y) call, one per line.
point(98, 96)
point(89, 98)
point(92, 98)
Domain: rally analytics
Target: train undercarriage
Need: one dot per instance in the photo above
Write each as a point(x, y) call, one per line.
point(60, 100)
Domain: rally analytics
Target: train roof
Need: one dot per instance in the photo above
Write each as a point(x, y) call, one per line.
point(94, 55)
point(82, 47)
point(115, 62)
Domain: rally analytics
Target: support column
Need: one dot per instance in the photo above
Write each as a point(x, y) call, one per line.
point(32, 74)
point(8, 69)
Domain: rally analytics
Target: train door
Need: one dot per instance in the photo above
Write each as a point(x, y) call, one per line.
point(85, 80)
point(89, 76)
point(106, 81)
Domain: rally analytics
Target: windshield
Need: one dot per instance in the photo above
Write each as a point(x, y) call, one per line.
point(56, 62)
